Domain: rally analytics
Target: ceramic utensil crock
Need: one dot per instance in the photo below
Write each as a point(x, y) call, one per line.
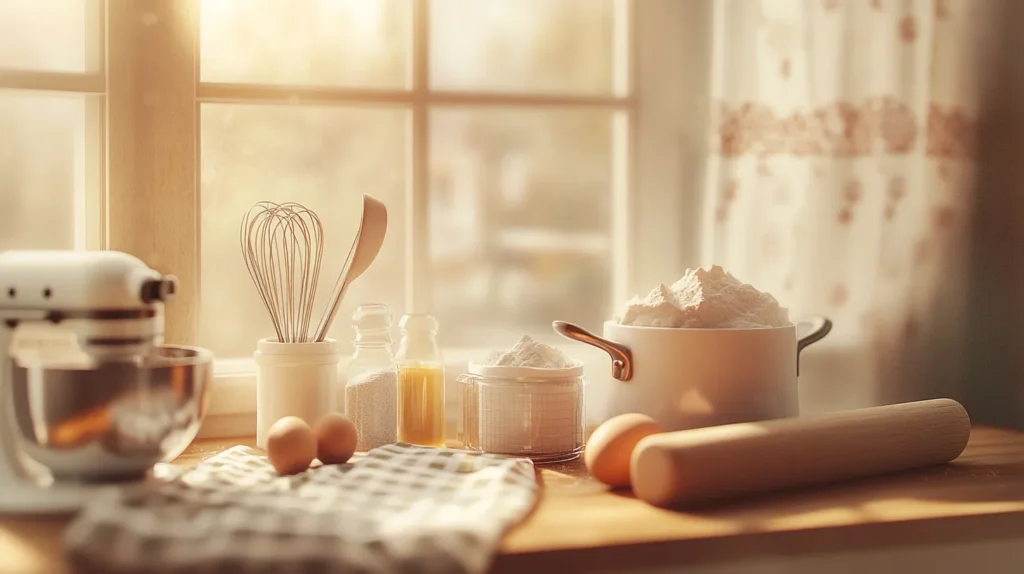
point(294, 379)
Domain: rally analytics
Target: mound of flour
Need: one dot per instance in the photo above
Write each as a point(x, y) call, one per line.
point(530, 353)
point(705, 298)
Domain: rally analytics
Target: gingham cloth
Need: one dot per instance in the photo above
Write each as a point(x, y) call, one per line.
point(399, 508)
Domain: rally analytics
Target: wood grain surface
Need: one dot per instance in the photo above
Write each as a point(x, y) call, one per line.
point(580, 525)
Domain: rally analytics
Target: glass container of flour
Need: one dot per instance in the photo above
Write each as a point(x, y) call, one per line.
point(528, 401)
point(371, 391)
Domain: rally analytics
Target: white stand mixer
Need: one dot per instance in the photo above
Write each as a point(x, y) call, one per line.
point(109, 405)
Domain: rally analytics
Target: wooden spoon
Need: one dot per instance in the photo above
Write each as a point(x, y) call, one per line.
point(373, 226)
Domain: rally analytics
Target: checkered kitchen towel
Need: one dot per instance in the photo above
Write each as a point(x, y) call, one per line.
point(399, 508)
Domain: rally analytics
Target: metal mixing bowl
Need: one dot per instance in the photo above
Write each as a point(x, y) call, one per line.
point(113, 421)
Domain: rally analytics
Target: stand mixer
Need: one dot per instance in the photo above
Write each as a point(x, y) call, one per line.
point(90, 397)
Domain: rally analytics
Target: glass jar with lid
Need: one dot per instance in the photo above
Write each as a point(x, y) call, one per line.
point(371, 387)
point(538, 413)
point(421, 416)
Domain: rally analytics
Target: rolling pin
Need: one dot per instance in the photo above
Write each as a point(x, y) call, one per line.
point(708, 464)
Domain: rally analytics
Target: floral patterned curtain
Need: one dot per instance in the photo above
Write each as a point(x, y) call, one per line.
point(841, 176)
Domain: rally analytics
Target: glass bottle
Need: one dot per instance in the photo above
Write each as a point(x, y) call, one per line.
point(371, 387)
point(421, 418)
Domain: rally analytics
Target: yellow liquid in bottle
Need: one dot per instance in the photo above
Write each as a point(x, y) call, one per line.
point(421, 405)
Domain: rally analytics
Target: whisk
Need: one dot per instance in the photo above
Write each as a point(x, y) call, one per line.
point(282, 245)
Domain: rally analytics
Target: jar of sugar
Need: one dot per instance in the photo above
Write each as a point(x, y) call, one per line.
point(371, 389)
point(528, 401)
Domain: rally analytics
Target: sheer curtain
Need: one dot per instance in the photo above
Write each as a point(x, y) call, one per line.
point(840, 180)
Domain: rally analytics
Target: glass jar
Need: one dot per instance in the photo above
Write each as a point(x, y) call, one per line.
point(421, 418)
point(524, 411)
point(371, 387)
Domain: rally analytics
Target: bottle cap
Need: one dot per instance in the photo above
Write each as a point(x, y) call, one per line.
point(418, 322)
point(373, 316)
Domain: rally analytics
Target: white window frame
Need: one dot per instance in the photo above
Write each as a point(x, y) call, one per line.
point(142, 194)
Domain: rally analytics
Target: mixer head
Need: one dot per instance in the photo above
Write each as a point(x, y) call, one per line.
point(110, 303)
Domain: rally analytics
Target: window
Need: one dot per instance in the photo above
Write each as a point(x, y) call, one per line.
point(518, 144)
point(496, 133)
point(51, 117)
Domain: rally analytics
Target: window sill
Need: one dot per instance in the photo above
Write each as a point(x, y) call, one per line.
point(832, 377)
point(232, 397)
point(234, 380)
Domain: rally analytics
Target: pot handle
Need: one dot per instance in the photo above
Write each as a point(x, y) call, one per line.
point(622, 357)
point(820, 326)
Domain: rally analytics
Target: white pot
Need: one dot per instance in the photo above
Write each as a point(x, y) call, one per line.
point(691, 378)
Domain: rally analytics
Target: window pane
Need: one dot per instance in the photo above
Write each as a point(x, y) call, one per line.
point(520, 221)
point(42, 153)
point(356, 43)
point(323, 158)
point(556, 46)
point(45, 35)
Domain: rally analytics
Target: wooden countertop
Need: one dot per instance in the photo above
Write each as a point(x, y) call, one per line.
point(580, 525)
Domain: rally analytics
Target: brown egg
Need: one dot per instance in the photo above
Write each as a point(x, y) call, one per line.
point(610, 447)
point(335, 439)
point(291, 445)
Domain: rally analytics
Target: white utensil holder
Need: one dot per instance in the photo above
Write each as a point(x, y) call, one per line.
point(294, 379)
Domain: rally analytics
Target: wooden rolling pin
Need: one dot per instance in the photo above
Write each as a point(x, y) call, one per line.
point(702, 465)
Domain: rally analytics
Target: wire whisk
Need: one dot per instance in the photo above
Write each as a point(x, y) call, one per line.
point(282, 246)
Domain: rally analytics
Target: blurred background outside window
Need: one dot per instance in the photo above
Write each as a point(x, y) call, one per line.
point(44, 141)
